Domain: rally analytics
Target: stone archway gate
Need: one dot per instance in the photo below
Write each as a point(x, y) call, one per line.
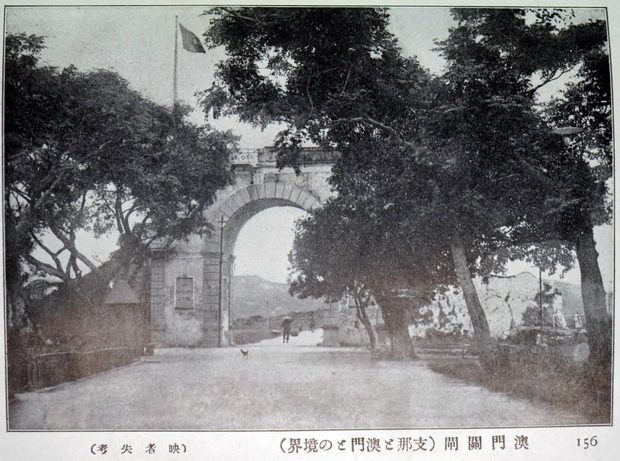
point(190, 283)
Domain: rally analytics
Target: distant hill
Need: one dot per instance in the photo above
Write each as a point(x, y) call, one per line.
point(253, 295)
point(504, 299)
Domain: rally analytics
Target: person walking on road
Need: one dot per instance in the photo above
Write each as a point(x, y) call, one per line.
point(286, 328)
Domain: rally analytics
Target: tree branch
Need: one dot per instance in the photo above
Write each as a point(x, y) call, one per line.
point(70, 246)
point(65, 171)
point(236, 14)
point(51, 270)
point(52, 254)
point(344, 87)
point(127, 214)
point(377, 124)
point(555, 76)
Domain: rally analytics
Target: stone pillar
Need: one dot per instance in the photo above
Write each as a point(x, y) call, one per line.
point(211, 296)
point(217, 272)
point(226, 284)
point(158, 297)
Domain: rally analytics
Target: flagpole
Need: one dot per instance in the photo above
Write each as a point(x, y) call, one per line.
point(176, 59)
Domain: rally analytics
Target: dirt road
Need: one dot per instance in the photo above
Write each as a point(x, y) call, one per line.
point(293, 386)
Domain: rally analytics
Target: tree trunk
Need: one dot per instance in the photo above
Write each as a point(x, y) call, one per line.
point(598, 321)
point(16, 316)
point(482, 335)
point(17, 322)
point(394, 315)
point(363, 317)
point(385, 313)
point(403, 345)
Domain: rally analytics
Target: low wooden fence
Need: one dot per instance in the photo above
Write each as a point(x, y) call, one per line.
point(50, 369)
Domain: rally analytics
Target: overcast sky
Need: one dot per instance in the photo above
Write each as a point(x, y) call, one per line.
point(138, 43)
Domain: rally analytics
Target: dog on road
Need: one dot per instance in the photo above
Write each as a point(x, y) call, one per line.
point(244, 354)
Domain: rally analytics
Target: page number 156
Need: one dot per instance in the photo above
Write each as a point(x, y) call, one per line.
point(587, 442)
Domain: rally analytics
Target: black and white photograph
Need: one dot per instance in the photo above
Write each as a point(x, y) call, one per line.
point(308, 231)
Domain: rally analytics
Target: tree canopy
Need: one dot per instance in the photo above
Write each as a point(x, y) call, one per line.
point(85, 152)
point(512, 54)
point(468, 160)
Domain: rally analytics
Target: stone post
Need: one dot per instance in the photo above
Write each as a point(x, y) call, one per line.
point(158, 297)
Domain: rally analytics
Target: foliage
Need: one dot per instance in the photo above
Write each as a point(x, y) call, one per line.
point(516, 52)
point(532, 314)
point(373, 256)
point(294, 63)
point(503, 58)
point(473, 129)
point(495, 59)
point(324, 72)
point(585, 104)
point(85, 152)
point(462, 166)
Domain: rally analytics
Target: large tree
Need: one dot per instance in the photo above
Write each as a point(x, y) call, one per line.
point(474, 146)
point(84, 153)
point(321, 267)
point(511, 55)
point(345, 248)
point(584, 202)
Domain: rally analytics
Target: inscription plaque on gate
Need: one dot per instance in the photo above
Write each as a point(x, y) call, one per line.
point(185, 293)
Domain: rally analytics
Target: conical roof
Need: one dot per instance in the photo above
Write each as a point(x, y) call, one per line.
point(121, 293)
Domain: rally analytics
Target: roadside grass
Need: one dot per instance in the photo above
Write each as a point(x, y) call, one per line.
point(540, 378)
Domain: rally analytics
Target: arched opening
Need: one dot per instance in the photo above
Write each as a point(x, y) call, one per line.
point(259, 294)
point(264, 242)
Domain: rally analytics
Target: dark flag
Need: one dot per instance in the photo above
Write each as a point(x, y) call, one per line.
point(191, 42)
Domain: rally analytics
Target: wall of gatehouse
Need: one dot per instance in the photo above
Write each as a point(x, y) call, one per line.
point(190, 283)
